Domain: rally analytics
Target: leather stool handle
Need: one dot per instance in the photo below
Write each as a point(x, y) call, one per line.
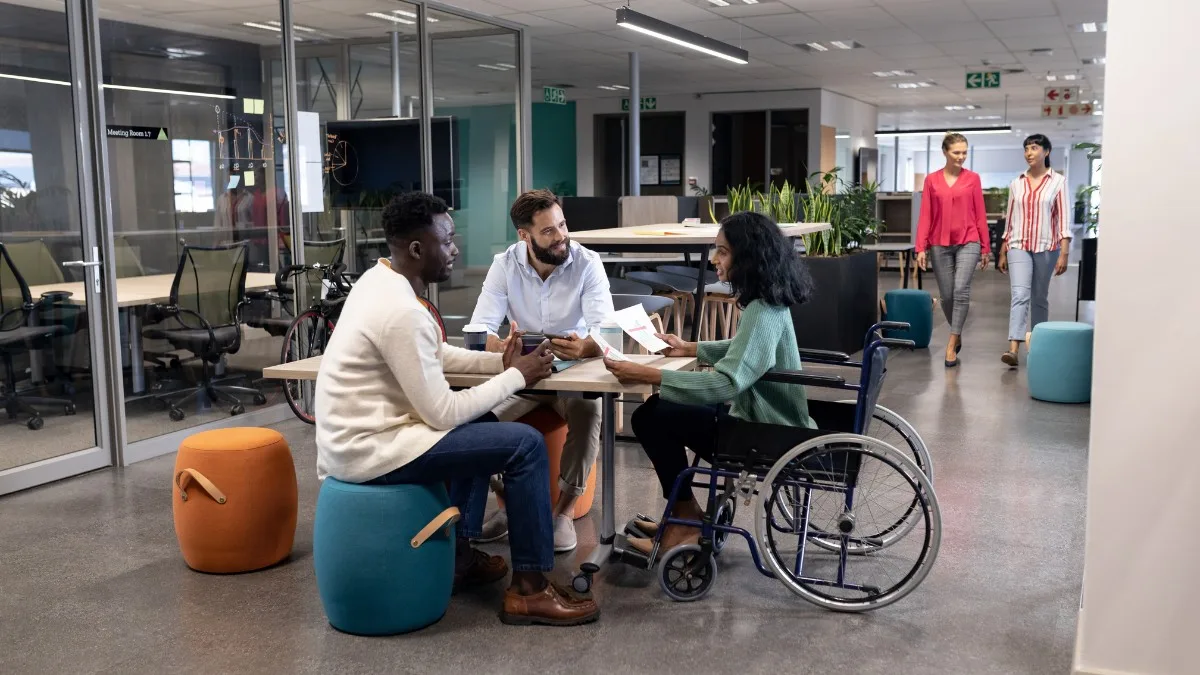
point(443, 519)
point(184, 477)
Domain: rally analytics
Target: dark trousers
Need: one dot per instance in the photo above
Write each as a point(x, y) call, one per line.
point(467, 457)
point(664, 429)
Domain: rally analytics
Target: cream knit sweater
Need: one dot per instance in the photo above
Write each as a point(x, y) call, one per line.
point(381, 396)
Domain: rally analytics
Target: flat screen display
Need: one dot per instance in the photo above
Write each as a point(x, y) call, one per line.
point(369, 161)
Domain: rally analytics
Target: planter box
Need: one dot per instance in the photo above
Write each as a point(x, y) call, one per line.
point(844, 303)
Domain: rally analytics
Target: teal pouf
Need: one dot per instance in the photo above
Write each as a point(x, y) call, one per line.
point(913, 307)
point(374, 573)
point(1060, 362)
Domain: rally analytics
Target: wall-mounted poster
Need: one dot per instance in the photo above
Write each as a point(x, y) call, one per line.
point(670, 170)
point(649, 170)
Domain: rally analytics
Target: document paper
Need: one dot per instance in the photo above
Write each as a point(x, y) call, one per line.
point(636, 323)
point(606, 349)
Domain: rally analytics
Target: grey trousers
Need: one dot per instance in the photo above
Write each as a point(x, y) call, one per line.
point(1029, 275)
point(583, 433)
point(954, 266)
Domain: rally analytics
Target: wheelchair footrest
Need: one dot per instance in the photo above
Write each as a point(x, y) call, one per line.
point(623, 552)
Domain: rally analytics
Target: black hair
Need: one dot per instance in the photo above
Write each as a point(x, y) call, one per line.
point(765, 264)
point(1041, 141)
point(408, 214)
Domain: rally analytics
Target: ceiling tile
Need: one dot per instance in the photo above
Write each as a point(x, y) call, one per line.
point(722, 29)
point(880, 37)
point(1024, 44)
point(816, 5)
point(1012, 9)
point(765, 45)
point(974, 30)
point(908, 51)
point(1025, 27)
point(540, 25)
point(737, 10)
point(933, 13)
point(539, 5)
point(782, 24)
point(855, 19)
point(972, 47)
point(590, 17)
point(674, 11)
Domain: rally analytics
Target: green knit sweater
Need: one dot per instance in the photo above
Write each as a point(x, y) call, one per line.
point(765, 340)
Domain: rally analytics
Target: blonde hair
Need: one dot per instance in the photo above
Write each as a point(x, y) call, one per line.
point(952, 138)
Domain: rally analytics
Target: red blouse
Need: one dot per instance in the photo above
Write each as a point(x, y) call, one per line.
point(953, 214)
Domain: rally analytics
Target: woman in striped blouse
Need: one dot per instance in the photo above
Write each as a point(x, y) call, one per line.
point(1036, 241)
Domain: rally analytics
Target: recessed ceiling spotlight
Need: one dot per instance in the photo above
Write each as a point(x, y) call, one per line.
point(393, 18)
point(1094, 61)
point(813, 47)
point(719, 3)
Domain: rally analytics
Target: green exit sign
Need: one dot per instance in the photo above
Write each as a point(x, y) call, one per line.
point(984, 80)
point(648, 103)
point(554, 95)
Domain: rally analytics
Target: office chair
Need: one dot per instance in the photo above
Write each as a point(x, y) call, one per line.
point(207, 298)
point(16, 336)
point(38, 268)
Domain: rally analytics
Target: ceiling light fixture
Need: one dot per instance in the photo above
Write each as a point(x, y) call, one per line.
point(1090, 27)
point(490, 66)
point(404, 12)
point(894, 73)
point(393, 18)
point(124, 87)
point(648, 25)
point(895, 133)
point(619, 86)
point(845, 44)
point(955, 108)
point(274, 26)
point(606, 87)
point(841, 136)
point(719, 3)
point(914, 85)
point(1094, 61)
point(1069, 76)
point(1052, 78)
point(750, 2)
point(985, 117)
point(814, 47)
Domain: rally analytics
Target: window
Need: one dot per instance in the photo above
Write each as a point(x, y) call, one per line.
point(16, 175)
point(192, 163)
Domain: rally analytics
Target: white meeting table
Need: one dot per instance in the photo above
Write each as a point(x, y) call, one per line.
point(589, 377)
point(674, 238)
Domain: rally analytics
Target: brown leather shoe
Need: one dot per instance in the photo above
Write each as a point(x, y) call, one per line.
point(548, 607)
point(483, 569)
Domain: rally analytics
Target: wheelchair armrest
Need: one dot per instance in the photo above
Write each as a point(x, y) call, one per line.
point(893, 325)
point(902, 344)
point(800, 377)
point(823, 355)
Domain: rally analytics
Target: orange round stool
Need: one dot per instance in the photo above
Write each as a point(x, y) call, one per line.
point(234, 499)
point(554, 429)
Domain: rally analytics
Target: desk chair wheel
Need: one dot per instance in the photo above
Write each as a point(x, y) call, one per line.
point(237, 409)
point(69, 409)
point(582, 582)
point(687, 573)
point(260, 399)
point(35, 423)
point(176, 414)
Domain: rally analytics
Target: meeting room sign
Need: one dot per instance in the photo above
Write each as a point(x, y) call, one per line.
point(138, 133)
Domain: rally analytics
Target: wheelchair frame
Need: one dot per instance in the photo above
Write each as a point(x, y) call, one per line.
point(741, 481)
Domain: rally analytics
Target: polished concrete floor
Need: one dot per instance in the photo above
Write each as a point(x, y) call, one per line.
point(91, 579)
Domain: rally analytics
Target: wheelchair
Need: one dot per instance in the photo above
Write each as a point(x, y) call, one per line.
point(843, 519)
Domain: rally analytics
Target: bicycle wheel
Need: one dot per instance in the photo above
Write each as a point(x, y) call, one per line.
point(306, 337)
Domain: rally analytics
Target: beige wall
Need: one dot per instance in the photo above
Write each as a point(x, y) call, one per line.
point(1141, 583)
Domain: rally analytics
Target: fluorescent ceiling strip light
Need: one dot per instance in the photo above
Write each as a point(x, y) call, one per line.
point(719, 3)
point(404, 12)
point(894, 133)
point(606, 87)
point(509, 66)
point(391, 17)
point(263, 26)
point(1069, 76)
point(647, 25)
point(985, 117)
point(619, 86)
point(123, 87)
point(844, 44)
point(816, 46)
point(491, 67)
point(841, 136)
point(750, 2)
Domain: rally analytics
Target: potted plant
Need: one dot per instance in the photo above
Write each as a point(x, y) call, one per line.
point(845, 299)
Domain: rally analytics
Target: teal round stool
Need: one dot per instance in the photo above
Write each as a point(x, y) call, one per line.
point(384, 555)
point(1059, 364)
point(913, 307)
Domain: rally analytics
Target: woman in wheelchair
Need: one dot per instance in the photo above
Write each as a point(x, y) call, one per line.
point(767, 277)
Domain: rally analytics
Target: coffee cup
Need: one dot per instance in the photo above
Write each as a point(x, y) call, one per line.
point(475, 337)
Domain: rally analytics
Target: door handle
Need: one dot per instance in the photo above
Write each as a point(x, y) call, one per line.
point(93, 264)
point(81, 263)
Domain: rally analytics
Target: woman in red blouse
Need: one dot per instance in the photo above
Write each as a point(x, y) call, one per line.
point(953, 227)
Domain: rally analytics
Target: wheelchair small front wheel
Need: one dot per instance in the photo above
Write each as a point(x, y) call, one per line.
point(686, 573)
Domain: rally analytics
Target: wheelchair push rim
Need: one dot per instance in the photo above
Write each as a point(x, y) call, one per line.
point(847, 482)
point(898, 426)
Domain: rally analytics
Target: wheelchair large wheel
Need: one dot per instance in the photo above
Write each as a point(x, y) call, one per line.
point(894, 430)
point(822, 502)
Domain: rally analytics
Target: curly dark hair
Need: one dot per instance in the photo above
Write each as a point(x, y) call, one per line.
point(765, 264)
point(408, 214)
point(529, 204)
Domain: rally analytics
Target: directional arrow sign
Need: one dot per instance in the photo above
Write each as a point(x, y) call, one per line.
point(984, 80)
point(1061, 94)
point(974, 80)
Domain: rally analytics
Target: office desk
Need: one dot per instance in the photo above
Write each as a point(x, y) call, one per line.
point(674, 238)
point(907, 253)
point(132, 294)
point(588, 377)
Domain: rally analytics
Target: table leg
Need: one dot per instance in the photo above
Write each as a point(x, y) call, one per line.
point(699, 305)
point(137, 365)
point(608, 443)
point(907, 266)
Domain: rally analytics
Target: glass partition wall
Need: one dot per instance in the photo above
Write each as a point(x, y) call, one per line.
point(238, 140)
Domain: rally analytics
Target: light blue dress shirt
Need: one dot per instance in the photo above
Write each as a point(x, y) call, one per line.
point(573, 299)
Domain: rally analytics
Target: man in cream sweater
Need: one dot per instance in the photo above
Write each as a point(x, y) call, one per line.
point(385, 413)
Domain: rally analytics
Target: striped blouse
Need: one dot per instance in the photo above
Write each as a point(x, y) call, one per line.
point(1037, 213)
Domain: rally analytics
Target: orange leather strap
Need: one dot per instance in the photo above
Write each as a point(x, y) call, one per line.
point(186, 476)
point(443, 519)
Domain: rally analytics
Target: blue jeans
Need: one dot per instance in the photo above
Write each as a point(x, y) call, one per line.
point(466, 457)
point(1029, 277)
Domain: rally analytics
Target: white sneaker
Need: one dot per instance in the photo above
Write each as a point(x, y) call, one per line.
point(495, 527)
point(564, 533)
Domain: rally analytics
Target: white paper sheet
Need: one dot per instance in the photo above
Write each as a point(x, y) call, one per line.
point(606, 349)
point(637, 325)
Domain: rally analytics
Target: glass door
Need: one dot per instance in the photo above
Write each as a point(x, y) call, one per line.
point(52, 404)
